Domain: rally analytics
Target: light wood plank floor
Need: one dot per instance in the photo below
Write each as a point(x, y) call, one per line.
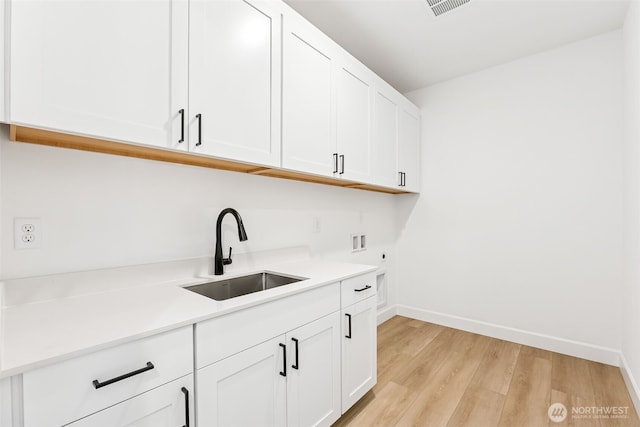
point(430, 375)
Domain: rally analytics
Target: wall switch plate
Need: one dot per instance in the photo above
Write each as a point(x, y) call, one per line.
point(27, 233)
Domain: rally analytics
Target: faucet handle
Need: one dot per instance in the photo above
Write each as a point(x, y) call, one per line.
point(227, 261)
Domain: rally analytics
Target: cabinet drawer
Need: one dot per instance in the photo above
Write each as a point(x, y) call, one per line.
point(358, 288)
point(227, 335)
point(64, 392)
point(162, 406)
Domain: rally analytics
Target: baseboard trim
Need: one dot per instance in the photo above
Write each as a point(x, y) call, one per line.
point(386, 314)
point(579, 349)
point(630, 381)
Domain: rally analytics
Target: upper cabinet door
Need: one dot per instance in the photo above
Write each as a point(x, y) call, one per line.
point(354, 99)
point(385, 140)
point(110, 69)
point(3, 117)
point(234, 80)
point(409, 148)
point(308, 122)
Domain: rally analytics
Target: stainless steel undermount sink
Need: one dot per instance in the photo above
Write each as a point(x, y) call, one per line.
point(221, 290)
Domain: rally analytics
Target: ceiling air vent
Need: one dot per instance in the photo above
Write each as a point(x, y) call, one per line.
point(443, 6)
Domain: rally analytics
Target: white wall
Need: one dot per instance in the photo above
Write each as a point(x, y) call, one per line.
point(517, 232)
point(631, 294)
point(105, 211)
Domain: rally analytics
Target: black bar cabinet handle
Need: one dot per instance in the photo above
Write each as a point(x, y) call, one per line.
point(335, 162)
point(342, 164)
point(284, 360)
point(348, 333)
point(296, 365)
point(363, 289)
point(97, 384)
point(181, 112)
point(404, 179)
point(186, 406)
point(400, 176)
point(199, 117)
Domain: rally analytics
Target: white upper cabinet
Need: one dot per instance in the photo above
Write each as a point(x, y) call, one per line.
point(234, 80)
point(326, 105)
point(243, 80)
point(115, 70)
point(3, 117)
point(354, 101)
point(308, 98)
point(384, 140)
point(409, 148)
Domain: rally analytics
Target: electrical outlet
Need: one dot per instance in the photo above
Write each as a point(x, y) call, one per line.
point(27, 233)
point(355, 242)
point(358, 242)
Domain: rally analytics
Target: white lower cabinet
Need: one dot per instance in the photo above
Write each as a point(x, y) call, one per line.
point(292, 379)
point(359, 344)
point(313, 380)
point(70, 390)
point(296, 361)
point(166, 406)
point(245, 389)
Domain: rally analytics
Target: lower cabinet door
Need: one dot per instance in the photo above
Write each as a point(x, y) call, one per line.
point(246, 389)
point(169, 405)
point(359, 351)
point(313, 382)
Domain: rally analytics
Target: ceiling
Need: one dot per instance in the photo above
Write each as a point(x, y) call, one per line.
point(406, 45)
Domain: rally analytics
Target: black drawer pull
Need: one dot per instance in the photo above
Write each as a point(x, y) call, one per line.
point(284, 362)
point(181, 112)
point(348, 333)
point(186, 406)
point(335, 162)
point(363, 289)
point(97, 384)
point(199, 118)
point(296, 365)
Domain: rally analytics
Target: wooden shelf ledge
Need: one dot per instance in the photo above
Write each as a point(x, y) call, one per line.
point(77, 142)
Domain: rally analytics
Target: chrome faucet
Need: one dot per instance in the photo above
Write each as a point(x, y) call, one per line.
point(219, 261)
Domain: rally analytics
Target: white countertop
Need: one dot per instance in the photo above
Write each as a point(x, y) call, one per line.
point(65, 324)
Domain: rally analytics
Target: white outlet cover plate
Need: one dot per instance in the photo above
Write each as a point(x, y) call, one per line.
point(22, 240)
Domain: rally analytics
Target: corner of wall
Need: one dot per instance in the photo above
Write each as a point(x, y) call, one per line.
point(630, 381)
point(630, 325)
point(386, 313)
point(609, 356)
